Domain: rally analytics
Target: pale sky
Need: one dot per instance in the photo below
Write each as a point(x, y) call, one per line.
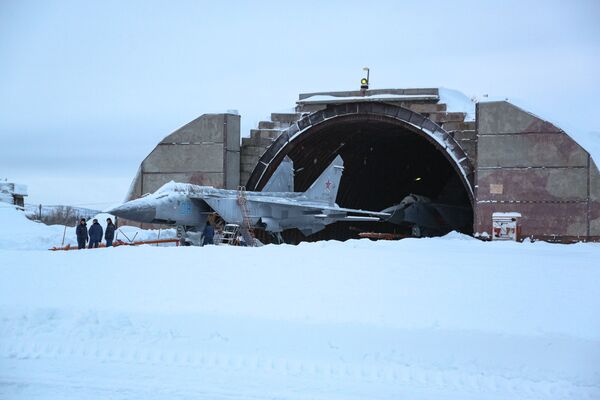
point(88, 88)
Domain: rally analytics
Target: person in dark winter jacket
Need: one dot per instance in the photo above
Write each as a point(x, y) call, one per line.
point(82, 234)
point(109, 234)
point(95, 235)
point(208, 234)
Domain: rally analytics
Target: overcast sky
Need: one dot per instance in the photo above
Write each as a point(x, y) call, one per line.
point(88, 88)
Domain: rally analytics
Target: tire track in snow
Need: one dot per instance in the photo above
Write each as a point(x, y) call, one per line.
point(405, 375)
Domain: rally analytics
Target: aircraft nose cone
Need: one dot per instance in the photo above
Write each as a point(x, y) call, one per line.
point(134, 212)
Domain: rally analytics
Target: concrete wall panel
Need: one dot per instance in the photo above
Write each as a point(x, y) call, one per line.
point(500, 117)
point(135, 190)
point(594, 182)
point(595, 218)
point(195, 153)
point(181, 158)
point(536, 169)
point(233, 132)
point(470, 149)
point(232, 170)
point(594, 199)
point(206, 128)
point(530, 150)
point(532, 184)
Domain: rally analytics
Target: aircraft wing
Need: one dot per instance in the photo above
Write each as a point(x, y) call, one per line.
point(324, 210)
point(354, 211)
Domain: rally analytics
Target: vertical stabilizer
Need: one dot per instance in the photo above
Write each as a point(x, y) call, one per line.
point(282, 179)
point(326, 186)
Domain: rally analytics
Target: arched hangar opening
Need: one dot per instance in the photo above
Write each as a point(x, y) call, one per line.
point(389, 153)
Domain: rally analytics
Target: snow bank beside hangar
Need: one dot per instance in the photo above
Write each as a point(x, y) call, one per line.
point(451, 318)
point(20, 233)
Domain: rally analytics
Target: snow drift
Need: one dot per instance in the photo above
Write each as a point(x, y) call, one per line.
point(19, 233)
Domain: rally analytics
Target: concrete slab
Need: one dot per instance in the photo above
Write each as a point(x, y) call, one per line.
point(206, 128)
point(233, 132)
point(244, 176)
point(594, 182)
point(465, 135)
point(501, 117)
point(444, 117)
point(265, 133)
point(530, 150)
point(424, 108)
point(252, 150)
point(247, 166)
point(459, 126)
point(595, 218)
point(232, 170)
point(470, 149)
point(266, 125)
point(289, 118)
point(248, 158)
point(185, 158)
point(533, 184)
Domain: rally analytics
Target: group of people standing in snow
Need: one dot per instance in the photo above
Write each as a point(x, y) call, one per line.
point(94, 234)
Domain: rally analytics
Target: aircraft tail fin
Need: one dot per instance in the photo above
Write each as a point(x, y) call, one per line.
point(326, 186)
point(282, 179)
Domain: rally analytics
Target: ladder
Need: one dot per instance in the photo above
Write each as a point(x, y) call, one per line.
point(230, 234)
point(246, 228)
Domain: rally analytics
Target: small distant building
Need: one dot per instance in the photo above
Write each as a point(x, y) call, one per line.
point(13, 193)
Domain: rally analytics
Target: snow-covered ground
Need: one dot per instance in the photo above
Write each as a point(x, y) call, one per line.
point(445, 318)
point(18, 233)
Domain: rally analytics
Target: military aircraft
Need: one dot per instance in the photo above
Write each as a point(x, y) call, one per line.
point(274, 209)
point(428, 217)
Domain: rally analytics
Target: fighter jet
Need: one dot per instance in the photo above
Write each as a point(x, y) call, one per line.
point(428, 217)
point(274, 209)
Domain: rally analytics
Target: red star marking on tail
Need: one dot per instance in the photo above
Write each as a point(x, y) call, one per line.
point(327, 184)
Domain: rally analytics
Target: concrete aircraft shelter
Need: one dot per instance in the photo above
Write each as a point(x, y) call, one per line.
point(499, 160)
